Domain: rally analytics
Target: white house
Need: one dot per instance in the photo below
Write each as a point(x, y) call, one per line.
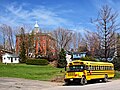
point(10, 58)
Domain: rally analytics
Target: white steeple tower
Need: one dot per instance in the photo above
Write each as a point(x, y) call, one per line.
point(36, 25)
point(36, 28)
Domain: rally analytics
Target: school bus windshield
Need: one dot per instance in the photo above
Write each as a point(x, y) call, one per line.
point(76, 68)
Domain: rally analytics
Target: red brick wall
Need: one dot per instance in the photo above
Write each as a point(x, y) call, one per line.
point(42, 42)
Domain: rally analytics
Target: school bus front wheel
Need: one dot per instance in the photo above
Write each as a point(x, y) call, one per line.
point(83, 80)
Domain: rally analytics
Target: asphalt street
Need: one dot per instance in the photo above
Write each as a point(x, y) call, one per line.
point(25, 84)
point(111, 85)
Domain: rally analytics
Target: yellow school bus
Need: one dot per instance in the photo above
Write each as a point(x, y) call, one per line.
point(83, 71)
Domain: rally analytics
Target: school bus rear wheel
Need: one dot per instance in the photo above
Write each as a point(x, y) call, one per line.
point(105, 78)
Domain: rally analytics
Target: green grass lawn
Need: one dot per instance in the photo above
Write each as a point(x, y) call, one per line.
point(34, 72)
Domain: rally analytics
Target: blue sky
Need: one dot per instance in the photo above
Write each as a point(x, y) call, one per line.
point(50, 14)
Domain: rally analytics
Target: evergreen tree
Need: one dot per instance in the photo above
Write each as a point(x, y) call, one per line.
point(62, 59)
point(31, 46)
point(22, 46)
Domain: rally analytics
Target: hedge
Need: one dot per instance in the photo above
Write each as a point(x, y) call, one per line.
point(37, 62)
point(88, 58)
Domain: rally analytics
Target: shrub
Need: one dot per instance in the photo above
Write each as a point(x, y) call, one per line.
point(116, 62)
point(37, 62)
point(61, 63)
point(88, 58)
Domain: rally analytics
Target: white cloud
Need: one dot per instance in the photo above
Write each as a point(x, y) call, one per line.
point(15, 14)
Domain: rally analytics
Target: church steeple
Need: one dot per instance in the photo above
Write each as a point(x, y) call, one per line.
point(36, 28)
point(36, 25)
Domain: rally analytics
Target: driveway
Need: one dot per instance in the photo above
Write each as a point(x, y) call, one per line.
point(25, 84)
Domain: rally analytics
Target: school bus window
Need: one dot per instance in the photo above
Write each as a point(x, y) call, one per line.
point(96, 67)
point(106, 67)
point(87, 67)
point(76, 68)
point(99, 68)
point(92, 68)
point(109, 68)
point(112, 68)
point(103, 67)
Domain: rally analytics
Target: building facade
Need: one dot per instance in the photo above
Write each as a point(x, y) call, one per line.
point(37, 43)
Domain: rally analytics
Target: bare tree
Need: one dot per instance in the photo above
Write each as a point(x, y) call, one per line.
point(76, 41)
point(92, 42)
point(118, 46)
point(106, 26)
point(51, 48)
point(63, 38)
point(8, 42)
point(3, 36)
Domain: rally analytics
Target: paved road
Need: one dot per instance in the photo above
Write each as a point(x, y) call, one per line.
point(24, 84)
point(112, 85)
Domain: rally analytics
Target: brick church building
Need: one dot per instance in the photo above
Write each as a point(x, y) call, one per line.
point(43, 43)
